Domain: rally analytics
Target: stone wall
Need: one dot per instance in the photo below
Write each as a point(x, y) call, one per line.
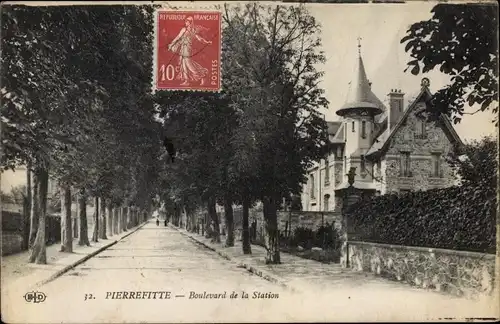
point(456, 272)
point(11, 243)
point(311, 220)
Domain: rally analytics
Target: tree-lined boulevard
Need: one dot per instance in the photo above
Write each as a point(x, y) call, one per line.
point(78, 108)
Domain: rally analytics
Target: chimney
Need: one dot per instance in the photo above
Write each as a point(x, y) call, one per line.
point(396, 107)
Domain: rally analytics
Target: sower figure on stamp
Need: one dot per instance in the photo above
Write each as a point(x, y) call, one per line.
point(182, 45)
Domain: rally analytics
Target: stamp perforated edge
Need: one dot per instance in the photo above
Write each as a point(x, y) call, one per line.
point(166, 6)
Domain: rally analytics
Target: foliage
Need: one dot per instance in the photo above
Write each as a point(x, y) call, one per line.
point(278, 106)
point(460, 218)
point(84, 98)
point(475, 163)
point(462, 40)
point(36, 44)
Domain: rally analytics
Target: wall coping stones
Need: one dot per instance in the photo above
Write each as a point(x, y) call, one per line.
point(477, 255)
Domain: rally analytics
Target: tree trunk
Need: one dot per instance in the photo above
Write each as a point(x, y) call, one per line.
point(208, 225)
point(66, 219)
point(119, 220)
point(115, 220)
point(125, 219)
point(212, 211)
point(76, 221)
point(271, 233)
point(38, 252)
point(247, 247)
point(95, 231)
point(102, 228)
point(228, 213)
point(27, 209)
point(82, 206)
point(34, 208)
point(129, 218)
point(109, 226)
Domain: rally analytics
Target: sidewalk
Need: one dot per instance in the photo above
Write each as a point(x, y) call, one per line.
point(294, 272)
point(319, 279)
point(19, 275)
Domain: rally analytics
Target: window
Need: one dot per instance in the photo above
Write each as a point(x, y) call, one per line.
point(363, 166)
point(326, 202)
point(421, 129)
point(327, 172)
point(312, 186)
point(363, 129)
point(345, 163)
point(405, 164)
point(436, 165)
point(339, 153)
point(353, 127)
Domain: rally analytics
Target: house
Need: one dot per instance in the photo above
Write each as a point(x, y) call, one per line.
point(394, 148)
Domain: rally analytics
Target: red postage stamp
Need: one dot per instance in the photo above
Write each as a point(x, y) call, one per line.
point(188, 50)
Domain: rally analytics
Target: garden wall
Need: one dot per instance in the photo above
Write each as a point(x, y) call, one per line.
point(297, 219)
point(12, 242)
point(460, 273)
point(15, 231)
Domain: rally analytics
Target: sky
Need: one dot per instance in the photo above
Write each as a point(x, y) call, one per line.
point(380, 28)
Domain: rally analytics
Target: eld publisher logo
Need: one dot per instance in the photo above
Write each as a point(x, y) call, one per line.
point(35, 297)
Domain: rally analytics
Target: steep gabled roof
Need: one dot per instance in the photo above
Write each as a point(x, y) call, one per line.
point(382, 142)
point(333, 127)
point(339, 136)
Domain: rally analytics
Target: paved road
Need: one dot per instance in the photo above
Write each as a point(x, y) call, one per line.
point(163, 263)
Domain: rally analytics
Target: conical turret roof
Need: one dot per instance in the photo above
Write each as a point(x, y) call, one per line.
point(361, 99)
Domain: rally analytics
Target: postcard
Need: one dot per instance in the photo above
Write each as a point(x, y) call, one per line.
point(230, 162)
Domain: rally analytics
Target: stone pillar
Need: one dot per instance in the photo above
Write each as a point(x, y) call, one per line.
point(350, 196)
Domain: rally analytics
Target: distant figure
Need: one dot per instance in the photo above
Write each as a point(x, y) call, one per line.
point(157, 222)
point(166, 222)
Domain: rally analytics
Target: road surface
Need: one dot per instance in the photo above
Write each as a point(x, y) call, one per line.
point(159, 275)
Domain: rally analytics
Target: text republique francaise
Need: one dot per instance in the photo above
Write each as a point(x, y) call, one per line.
point(190, 295)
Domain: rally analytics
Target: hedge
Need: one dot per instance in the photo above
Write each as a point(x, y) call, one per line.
point(459, 218)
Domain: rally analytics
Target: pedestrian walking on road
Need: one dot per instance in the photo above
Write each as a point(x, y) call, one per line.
point(157, 222)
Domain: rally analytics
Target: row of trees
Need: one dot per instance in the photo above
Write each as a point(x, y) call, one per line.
point(77, 107)
point(254, 140)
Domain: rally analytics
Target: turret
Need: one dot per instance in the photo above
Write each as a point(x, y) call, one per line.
point(360, 110)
